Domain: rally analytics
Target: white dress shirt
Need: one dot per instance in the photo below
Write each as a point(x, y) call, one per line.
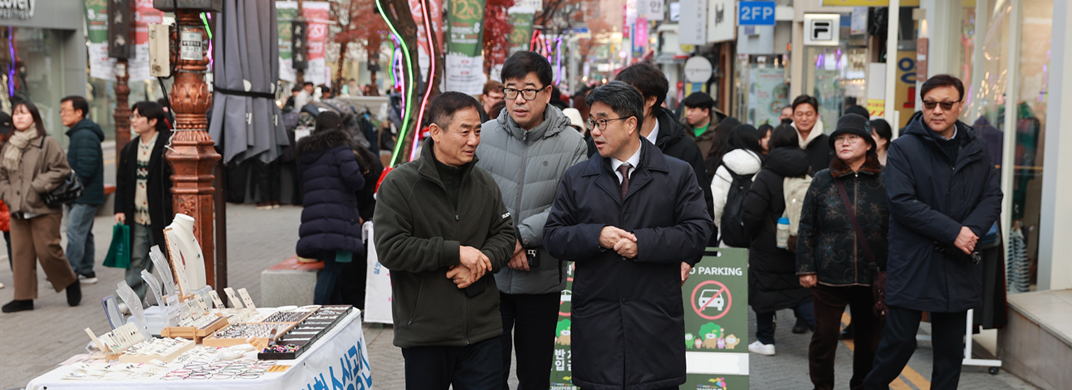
point(634, 161)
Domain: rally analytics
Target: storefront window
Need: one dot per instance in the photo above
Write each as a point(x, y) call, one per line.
point(823, 76)
point(32, 70)
point(766, 93)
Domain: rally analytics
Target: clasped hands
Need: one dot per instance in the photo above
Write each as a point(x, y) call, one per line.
point(474, 264)
point(619, 240)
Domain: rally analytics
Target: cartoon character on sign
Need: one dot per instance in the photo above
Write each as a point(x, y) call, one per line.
point(710, 333)
point(562, 332)
point(720, 383)
point(689, 337)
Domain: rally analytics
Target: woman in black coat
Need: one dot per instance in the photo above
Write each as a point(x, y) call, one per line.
point(772, 280)
point(331, 224)
point(147, 222)
point(836, 263)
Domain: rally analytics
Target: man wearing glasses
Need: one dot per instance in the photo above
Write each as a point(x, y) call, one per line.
point(944, 194)
point(87, 160)
point(627, 217)
point(527, 149)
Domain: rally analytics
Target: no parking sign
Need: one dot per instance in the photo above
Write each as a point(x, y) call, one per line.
point(716, 321)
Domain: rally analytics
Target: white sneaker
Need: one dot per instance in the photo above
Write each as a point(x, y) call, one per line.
point(1, 285)
point(88, 280)
point(760, 348)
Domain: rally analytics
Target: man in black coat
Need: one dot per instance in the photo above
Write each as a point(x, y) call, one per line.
point(666, 133)
point(627, 218)
point(87, 160)
point(943, 194)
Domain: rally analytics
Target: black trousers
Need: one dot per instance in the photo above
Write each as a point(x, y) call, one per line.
point(267, 178)
point(531, 320)
point(472, 367)
point(899, 342)
point(829, 306)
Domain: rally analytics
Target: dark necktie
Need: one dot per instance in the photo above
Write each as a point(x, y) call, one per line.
point(624, 170)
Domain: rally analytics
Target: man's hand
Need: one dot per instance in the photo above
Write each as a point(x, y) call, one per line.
point(461, 276)
point(808, 281)
point(626, 247)
point(120, 218)
point(610, 235)
point(685, 269)
point(966, 240)
point(474, 260)
point(519, 261)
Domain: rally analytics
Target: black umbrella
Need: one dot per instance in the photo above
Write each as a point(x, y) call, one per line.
point(245, 120)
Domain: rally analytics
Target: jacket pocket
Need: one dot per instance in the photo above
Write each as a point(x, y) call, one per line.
point(416, 303)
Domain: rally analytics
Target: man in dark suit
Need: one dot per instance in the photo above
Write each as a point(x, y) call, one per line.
point(627, 218)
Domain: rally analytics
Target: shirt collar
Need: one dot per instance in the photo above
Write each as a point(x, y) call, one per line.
point(152, 141)
point(633, 161)
point(654, 133)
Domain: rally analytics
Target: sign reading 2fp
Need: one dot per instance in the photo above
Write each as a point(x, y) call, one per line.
point(755, 13)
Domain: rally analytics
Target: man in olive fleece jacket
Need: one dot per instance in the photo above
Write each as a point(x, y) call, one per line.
point(442, 228)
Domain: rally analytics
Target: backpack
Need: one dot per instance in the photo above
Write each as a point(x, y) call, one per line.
point(794, 189)
point(732, 229)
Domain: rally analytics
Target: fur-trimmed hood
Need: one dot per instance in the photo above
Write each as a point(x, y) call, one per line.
point(324, 140)
point(871, 166)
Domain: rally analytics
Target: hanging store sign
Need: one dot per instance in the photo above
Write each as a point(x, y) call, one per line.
point(721, 24)
point(698, 70)
point(821, 29)
point(755, 13)
point(692, 30)
point(298, 44)
point(120, 29)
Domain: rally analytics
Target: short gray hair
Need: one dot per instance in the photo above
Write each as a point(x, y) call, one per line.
point(625, 100)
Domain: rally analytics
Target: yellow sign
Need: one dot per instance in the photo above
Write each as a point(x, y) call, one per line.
point(876, 107)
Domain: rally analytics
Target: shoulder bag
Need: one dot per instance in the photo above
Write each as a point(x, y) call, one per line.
point(878, 283)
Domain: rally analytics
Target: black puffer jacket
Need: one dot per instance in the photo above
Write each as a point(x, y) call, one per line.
point(773, 283)
point(87, 159)
point(330, 177)
point(827, 245)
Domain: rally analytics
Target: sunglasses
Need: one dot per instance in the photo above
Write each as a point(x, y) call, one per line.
point(945, 105)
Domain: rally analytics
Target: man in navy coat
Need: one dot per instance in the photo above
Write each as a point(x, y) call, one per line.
point(943, 194)
point(627, 217)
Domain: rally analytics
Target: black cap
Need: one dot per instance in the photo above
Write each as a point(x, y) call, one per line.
point(5, 123)
point(853, 124)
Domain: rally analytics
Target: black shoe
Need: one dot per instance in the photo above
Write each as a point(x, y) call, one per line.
point(74, 293)
point(846, 334)
point(16, 305)
point(800, 327)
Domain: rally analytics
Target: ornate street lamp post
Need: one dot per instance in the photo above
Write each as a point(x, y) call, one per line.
point(192, 154)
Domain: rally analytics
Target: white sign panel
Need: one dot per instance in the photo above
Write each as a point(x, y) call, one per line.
point(534, 4)
point(651, 9)
point(821, 29)
point(698, 70)
point(721, 21)
point(692, 30)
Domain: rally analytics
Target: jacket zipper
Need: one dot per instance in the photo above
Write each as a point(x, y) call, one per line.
point(521, 181)
point(855, 243)
point(416, 304)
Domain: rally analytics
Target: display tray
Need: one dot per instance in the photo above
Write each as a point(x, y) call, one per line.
point(166, 358)
point(191, 333)
point(300, 338)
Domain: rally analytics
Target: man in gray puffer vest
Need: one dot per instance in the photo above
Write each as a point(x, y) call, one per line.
point(526, 150)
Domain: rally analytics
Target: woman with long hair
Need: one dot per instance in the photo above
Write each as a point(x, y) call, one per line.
point(32, 164)
point(743, 160)
point(883, 135)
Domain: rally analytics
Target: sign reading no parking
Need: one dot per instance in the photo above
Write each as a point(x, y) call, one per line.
point(716, 321)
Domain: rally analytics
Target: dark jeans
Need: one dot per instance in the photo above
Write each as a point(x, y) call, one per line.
point(267, 178)
point(326, 292)
point(7, 239)
point(472, 367)
point(829, 305)
point(531, 318)
point(765, 322)
point(899, 342)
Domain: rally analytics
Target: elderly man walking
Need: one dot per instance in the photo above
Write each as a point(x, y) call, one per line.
point(628, 218)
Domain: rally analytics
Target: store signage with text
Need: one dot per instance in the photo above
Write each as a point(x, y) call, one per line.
point(755, 13)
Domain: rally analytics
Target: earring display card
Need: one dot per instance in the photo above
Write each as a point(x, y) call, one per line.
point(162, 349)
point(300, 338)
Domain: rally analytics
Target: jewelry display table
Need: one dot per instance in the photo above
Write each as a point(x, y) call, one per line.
point(337, 360)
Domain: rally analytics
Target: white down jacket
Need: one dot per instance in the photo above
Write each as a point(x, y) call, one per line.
point(528, 165)
point(741, 162)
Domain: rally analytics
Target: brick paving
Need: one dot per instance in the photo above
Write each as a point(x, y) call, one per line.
point(37, 340)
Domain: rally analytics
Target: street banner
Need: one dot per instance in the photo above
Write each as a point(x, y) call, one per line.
point(522, 20)
point(464, 74)
point(716, 321)
point(466, 26)
point(716, 324)
point(562, 370)
point(144, 15)
point(100, 65)
point(377, 282)
point(424, 58)
point(317, 17)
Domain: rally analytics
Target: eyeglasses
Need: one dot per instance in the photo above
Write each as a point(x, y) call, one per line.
point(946, 106)
point(804, 114)
point(847, 138)
point(528, 93)
point(601, 123)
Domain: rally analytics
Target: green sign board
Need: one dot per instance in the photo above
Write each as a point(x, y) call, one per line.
point(716, 325)
point(465, 24)
point(521, 33)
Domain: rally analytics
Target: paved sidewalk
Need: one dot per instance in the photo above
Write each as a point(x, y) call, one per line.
point(36, 341)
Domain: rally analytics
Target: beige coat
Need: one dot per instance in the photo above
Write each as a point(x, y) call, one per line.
point(42, 168)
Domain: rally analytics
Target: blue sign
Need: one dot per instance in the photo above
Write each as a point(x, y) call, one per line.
point(755, 13)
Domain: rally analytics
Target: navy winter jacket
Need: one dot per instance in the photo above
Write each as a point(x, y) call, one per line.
point(330, 178)
point(87, 159)
point(930, 198)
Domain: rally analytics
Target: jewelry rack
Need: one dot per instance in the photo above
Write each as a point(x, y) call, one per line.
point(300, 338)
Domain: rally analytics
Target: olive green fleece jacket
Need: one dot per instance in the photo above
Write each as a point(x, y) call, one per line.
point(419, 232)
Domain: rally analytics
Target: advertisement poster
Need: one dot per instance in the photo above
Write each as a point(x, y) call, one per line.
point(144, 15)
point(466, 27)
point(905, 100)
point(464, 74)
point(316, 15)
point(716, 321)
point(716, 325)
point(769, 94)
point(100, 66)
point(521, 19)
point(561, 371)
point(436, 9)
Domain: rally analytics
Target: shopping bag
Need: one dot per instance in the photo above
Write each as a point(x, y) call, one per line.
point(119, 251)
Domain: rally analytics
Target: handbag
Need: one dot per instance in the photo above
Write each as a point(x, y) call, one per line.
point(119, 251)
point(878, 277)
point(68, 192)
